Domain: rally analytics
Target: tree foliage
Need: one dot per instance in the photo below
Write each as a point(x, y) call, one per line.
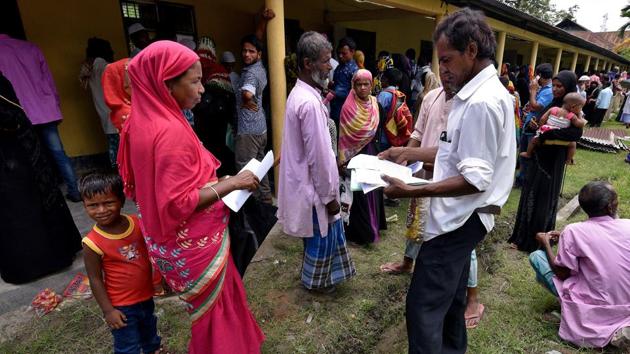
point(543, 10)
point(625, 12)
point(623, 48)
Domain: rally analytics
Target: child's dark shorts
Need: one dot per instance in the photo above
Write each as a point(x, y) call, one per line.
point(140, 334)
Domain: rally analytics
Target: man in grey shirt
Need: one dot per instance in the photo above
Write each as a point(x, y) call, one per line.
point(251, 136)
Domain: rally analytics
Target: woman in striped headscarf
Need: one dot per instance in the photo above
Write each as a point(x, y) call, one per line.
point(358, 124)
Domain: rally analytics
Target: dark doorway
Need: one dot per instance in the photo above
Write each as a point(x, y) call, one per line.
point(366, 42)
point(426, 52)
point(10, 19)
point(163, 20)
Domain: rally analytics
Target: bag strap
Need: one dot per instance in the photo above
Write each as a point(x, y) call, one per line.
point(394, 105)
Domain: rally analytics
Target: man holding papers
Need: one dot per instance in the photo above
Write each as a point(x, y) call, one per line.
point(474, 167)
point(308, 189)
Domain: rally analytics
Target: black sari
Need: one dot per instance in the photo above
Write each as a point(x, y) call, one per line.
point(538, 205)
point(212, 116)
point(367, 213)
point(38, 235)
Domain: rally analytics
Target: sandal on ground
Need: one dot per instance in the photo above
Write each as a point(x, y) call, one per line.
point(394, 268)
point(473, 321)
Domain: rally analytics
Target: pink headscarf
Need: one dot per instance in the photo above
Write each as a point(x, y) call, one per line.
point(358, 120)
point(161, 160)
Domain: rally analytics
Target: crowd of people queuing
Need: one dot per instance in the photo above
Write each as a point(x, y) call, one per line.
point(181, 122)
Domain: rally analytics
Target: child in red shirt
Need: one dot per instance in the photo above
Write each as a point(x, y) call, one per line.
point(118, 266)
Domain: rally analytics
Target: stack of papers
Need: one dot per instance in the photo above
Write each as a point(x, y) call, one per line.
point(366, 172)
point(236, 199)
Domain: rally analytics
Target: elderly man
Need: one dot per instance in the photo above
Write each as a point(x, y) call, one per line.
point(308, 193)
point(590, 275)
point(472, 179)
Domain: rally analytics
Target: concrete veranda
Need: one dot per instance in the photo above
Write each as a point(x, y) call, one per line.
point(13, 297)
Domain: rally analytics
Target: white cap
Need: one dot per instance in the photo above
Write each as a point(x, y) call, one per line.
point(187, 42)
point(584, 78)
point(136, 27)
point(228, 57)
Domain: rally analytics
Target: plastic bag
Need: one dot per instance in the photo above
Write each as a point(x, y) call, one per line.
point(248, 229)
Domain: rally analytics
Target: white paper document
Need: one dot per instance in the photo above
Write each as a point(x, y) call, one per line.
point(236, 199)
point(366, 172)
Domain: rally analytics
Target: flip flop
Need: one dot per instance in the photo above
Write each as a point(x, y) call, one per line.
point(390, 268)
point(473, 321)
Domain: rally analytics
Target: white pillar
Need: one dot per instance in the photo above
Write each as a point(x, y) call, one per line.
point(588, 63)
point(533, 55)
point(556, 67)
point(277, 77)
point(574, 61)
point(500, 50)
point(435, 60)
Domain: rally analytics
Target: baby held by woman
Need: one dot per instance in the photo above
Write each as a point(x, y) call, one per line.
point(557, 118)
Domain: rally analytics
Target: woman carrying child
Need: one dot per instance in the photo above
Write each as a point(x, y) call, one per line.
point(570, 114)
point(173, 179)
point(539, 198)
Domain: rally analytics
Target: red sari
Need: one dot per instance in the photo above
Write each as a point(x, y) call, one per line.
point(163, 165)
point(116, 91)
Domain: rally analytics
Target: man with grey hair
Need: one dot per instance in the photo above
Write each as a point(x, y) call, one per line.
point(308, 190)
point(590, 274)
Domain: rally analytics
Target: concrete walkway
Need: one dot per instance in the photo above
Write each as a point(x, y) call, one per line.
point(13, 297)
point(16, 297)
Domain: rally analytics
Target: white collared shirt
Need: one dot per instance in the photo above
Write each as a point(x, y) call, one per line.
point(479, 146)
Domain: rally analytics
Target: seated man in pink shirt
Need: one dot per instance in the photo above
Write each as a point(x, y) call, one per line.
point(591, 272)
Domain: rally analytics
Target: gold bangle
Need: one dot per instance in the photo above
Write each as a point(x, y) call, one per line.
point(215, 192)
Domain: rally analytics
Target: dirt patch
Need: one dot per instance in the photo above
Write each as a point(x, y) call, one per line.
point(12, 322)
point(285, 303)
point(393, 339)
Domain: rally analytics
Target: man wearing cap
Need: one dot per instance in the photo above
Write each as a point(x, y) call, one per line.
point(139, 38)
point(228, 61)
point(582, 82)
point(540, 96)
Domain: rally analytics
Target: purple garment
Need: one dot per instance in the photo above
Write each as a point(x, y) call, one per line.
point(595, 299)
point(308, 169)
point(23, 63)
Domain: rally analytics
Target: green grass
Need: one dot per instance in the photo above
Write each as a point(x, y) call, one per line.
point(366, 314)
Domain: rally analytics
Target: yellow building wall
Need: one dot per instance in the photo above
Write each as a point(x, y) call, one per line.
point(61, 29)
point(388, 32)
point(520, 48)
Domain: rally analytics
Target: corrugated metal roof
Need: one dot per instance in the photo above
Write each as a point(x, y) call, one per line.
point(512, 16)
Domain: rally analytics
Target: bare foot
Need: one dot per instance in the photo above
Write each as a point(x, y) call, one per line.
point(525, 155)
point(474, 313)
point(396, 268)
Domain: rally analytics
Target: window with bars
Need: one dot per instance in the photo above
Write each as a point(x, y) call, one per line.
point(130, 10)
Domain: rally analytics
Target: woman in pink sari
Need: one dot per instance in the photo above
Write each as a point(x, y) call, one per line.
point(173, 179)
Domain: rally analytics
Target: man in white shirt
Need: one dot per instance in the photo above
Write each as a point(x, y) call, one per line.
point(602, 104)
point(473, 172)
